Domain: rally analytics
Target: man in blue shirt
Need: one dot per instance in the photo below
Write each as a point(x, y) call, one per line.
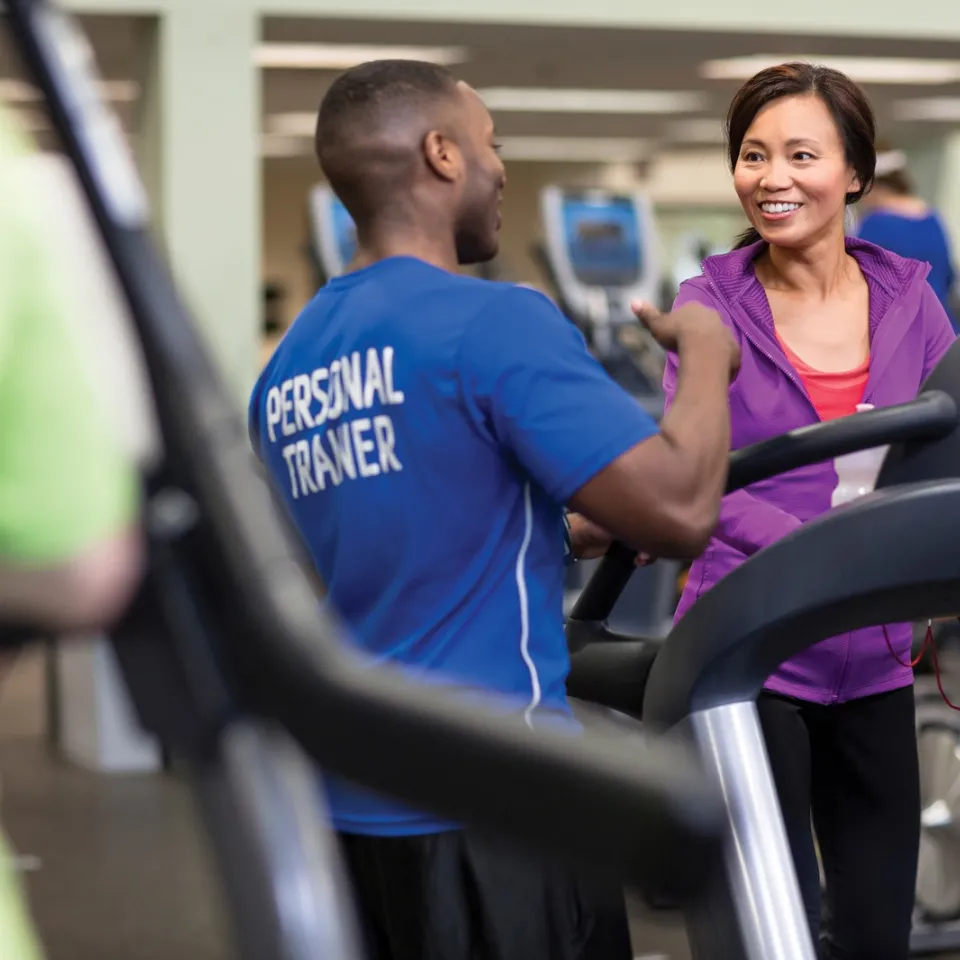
point(425, 431)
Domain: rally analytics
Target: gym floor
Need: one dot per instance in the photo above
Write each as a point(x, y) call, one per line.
point(115, 866)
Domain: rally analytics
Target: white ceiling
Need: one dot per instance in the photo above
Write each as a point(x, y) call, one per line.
point(551, 57)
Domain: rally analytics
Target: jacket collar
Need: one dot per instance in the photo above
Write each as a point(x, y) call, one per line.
point(734, 277)
point(896, 286)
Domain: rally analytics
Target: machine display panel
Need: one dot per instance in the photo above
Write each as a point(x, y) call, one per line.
point(603, 240)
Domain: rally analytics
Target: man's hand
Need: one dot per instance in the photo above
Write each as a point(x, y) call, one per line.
point(590, 540)
point(693, 320)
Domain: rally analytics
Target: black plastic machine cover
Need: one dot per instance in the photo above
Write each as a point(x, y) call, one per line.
point(898, 562)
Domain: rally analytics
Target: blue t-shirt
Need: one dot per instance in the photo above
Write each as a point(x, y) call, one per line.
point(917, 238)
point(424, 430)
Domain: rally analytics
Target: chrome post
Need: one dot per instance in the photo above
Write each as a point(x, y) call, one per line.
point(759, 869)
point(279, 859)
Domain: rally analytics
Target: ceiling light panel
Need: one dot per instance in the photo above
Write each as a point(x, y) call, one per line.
point(560, 100)
point(116, 91)
point(699, 130)
point(342, 56)
point(862, 69)
point(302, 124)
point(280, 146)
point(932, 109)
point(575, 149)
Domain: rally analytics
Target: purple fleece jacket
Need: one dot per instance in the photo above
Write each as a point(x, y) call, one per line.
point(909, 333)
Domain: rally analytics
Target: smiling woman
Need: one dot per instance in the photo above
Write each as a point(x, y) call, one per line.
point(772, 164)
point(826, 323)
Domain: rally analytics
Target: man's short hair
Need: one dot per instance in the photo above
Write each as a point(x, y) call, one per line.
point(374, 90)
point(361, 125)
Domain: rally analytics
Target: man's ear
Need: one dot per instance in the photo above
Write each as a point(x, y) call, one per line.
point(442, 155)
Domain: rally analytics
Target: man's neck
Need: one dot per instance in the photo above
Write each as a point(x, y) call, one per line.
point(380, 244)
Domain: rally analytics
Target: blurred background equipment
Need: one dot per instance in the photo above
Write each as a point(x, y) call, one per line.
point(599, 253)
point(333, 236)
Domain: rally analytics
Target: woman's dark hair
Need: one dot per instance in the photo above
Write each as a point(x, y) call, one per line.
point(843, 98)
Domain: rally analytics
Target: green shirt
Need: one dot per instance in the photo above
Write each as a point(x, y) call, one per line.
point(64, 481)
point(17, 937)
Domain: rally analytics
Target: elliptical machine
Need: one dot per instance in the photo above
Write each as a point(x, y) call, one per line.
point(703, 680)
point(600, 253)
point(937, 913)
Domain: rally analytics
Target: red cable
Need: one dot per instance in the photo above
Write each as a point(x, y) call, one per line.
point(928, 641)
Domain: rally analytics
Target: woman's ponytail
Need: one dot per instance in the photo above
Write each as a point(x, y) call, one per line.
point(749, 236)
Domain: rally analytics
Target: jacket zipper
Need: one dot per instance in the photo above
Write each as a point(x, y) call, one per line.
point(778, 363)
point(887, 321)
point(844, 670)
point(867, 398)
point(791, 375)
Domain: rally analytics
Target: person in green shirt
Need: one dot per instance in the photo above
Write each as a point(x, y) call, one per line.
point(69, 543)
point(68, 492)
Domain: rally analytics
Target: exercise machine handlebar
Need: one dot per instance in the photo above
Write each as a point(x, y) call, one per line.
point(933, 415)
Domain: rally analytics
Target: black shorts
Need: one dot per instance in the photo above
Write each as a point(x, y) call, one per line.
point(457, 896)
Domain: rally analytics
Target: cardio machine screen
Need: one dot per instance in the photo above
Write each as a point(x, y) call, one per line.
point(602, 239)
point(344, 232)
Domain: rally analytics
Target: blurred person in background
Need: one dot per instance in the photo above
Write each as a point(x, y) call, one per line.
point(896, 219)
point(826, 323)
point(69, 545)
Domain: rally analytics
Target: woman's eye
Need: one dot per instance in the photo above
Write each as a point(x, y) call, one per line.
point(803, 155)
point(752, 157)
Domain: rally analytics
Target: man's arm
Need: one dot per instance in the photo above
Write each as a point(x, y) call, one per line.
point(663, 495)
point(534, 384)
point(85, 592)
point(69, 549)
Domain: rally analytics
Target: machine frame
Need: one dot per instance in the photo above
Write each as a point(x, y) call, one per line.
point(322, 205)
point(577, 295)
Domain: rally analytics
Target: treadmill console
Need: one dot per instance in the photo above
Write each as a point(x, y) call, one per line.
point(333, 236)
point(600, 250)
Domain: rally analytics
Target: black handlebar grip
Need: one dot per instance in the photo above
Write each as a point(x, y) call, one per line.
point(603, 589)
